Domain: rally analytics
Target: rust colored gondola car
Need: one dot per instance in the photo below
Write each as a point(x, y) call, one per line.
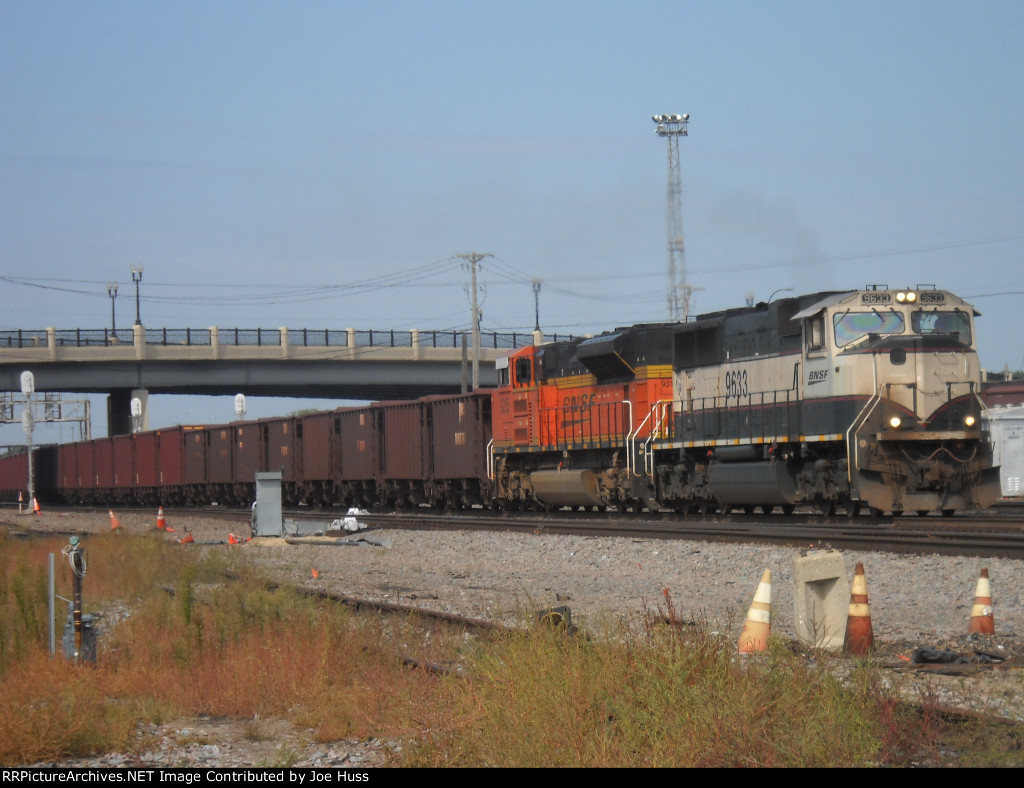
point(361, 452)
point(405, 436)
point(460, 433)
point(171, 444)
point(198, 489)
point(283, 438)
point(321, 459)
point(123, 462)
point(249, 457)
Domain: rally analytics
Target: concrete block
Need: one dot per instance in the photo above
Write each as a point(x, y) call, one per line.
point(821, 599)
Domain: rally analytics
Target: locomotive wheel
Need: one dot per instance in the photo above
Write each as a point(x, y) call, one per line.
point(852, 508)
point(827, 507)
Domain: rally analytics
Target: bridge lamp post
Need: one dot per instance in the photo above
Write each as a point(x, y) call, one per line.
point(112, 292)
point(137, 277)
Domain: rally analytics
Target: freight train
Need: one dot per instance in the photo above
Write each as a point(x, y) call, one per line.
point(844, 401)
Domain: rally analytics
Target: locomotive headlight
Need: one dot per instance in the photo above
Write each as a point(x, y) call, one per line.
point(895, 422)
point(969, 421)
point(901, 297)
point(911, 297)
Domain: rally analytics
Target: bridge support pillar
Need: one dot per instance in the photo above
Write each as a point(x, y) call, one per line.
point(119, 411)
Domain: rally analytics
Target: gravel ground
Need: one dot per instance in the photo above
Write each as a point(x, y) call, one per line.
point(915, 601)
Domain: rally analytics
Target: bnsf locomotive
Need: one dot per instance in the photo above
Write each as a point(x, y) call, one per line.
point(840, 400)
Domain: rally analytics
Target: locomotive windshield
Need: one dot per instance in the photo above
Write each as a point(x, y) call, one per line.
point(955, 323)
point(851, 326)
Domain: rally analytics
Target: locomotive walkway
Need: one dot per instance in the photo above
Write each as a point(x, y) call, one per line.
point(281, 362)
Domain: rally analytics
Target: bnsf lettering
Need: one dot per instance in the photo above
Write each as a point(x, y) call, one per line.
point(930, 297)
point(736, 383)
point(817, 376)
point(876, 298)
point(581, 402)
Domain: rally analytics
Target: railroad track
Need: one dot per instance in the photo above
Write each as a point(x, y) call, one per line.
point(997, 532)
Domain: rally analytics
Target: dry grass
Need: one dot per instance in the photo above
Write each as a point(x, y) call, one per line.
point(197, 642)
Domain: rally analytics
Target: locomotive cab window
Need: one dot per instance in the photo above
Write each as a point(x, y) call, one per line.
point(957, 324)
point(851, 326)
point(524, 372)
point(815, 328)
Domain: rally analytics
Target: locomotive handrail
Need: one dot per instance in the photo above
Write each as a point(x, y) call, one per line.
point(490, 460)
point(631, 437)
point(862, 417)
point(648, 454)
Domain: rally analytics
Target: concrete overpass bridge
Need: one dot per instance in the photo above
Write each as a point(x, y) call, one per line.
point(347, 364)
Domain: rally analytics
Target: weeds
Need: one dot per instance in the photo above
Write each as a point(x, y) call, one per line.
point(207, 638)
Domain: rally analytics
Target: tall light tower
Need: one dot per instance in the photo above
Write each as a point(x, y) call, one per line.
point(672, 127)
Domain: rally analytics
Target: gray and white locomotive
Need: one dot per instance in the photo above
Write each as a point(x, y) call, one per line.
point(843, 400)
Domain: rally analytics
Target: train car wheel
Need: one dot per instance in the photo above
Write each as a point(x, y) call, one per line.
point(788, 508)
point(948, 512)
point(922, 512)
point(767, 508)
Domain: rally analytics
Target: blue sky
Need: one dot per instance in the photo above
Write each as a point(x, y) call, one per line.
point(285, 164)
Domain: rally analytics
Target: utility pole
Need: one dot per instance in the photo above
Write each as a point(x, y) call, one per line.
point(536, 304)
point(473, 260)
point(672, 127)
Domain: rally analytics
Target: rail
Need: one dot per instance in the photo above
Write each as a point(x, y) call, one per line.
point(263, 337)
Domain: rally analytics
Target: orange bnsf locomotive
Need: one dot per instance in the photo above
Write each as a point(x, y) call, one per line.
point(841, 400)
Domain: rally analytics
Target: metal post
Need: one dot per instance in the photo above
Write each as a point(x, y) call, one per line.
point(53, 612)
point(112, 292)
point(78, 571)
point(137, 277)
point(28, 387)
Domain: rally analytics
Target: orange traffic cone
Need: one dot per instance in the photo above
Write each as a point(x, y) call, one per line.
point(982, 622)
point(35, 506)
point(232, 539)
point(316, 574)
point(162, 522)
point(758, 625)
point(187, 539)
point(860, 638)
point(115, 524)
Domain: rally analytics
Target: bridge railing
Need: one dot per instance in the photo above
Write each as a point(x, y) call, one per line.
point(262, 337)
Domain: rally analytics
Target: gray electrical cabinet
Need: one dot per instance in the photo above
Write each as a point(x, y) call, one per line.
point(266, 512)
